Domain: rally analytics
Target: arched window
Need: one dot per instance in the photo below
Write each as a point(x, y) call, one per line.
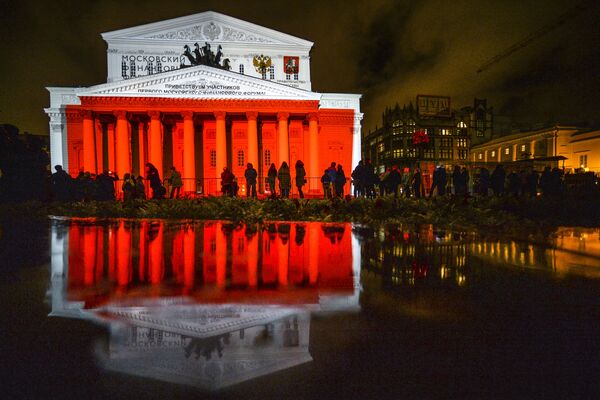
point(267, 157)
point(242, 69)
point(240, 158)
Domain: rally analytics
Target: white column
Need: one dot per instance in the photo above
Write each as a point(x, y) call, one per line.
point(356, 144)
point(58, 139)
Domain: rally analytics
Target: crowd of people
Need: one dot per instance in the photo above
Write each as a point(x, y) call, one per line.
point(367, 183)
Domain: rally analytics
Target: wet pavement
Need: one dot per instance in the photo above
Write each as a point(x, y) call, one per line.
point(154, 309)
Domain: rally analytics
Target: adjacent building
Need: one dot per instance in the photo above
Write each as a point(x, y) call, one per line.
point(450, 134)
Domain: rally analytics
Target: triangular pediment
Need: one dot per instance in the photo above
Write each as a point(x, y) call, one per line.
point(208, 26)
point(200, 82)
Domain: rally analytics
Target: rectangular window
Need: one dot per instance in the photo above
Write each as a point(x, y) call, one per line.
point(493, 153)
point(213, 158)
point(381, 147)
point(411, 152)
point(583, 161)
point(523, 147)
point(397, 153)
point(480, 156)
point(240, 158)
point(461, 142)
point(445, 154)
point(446, 142)
point(288, 77)
point(267, 157)
point(507, 151)
point(445, 132)
point(242, 69)
point(462, 154)
point(271, 72)
point(428, 154)
point(295, 77)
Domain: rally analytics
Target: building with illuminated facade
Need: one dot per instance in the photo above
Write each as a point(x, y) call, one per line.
point(203, 92)
point(556, 146)
point(451, 133)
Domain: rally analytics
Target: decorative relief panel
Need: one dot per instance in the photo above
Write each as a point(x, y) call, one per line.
point(210, 32)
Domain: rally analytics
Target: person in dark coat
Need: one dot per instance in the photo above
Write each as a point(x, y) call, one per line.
point(140, 189)
point(285, 180)
point(484, 181)
point(271, 178)
point(457, 181)
point(326, 182)
point(128, 187)
point(370, 179)
point(439, 181)
point(417, 183)
point(464, 180)
point(300, 177)
point(340, 181)
point(250, 174)
point(61, 184)
point(332, 171)
point(227, 182)
point(514, 184)
point(158, 191)
point(531, 182)
point(359, 179)
point(497, 179)
point(394, 179)
point(105, 186)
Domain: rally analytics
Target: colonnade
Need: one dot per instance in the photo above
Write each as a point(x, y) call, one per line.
point(151, 144)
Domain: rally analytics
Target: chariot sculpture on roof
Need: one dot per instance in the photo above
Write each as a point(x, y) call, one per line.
point(205, 56)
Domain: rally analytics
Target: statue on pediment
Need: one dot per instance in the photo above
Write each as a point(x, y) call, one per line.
point(205, 56)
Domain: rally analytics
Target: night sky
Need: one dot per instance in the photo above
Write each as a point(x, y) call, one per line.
point(389, 51)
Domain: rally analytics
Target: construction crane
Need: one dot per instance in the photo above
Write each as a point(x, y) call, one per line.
point(572, 12)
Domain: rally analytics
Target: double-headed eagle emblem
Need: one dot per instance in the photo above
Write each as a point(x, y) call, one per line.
point(261, 63)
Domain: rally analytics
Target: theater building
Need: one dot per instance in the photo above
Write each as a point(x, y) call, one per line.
point(200, 93)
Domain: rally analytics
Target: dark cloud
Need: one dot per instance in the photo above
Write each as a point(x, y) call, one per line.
point(388, 50)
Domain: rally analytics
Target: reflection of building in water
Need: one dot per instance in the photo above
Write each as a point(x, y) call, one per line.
point(206, 346)
point(406, 257)
point(206, 304)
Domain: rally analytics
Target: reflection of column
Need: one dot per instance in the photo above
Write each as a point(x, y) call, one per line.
point(89, 143)
point(99, 253)
point(122, 144)
point(189, 254)
point(221, 256)
point(123, 255)
point(283, 261)
point(189, 161)
point(252, 253)
point(313, 140)
point(143, 249)
point(155, 253)
point(112, 250)
point(155, 147)
point(252, 138)
point(284, 144)
point(89, 254)
point(221, 145)
point(313, 255)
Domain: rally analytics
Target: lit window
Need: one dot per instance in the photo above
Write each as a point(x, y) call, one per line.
point(522, 147)
point(445, 132)
point(213, 158)
point(507, 151)
point(381, 147)
point(240, 158)
point(397, 153)
point(461, 125)
point(396, 130)
point(493, 153)
point(445, 153)
point(267, 157)
point(462, 154)
point(583, 161)
point(480, 156)
point(446, 142)
point(242, 69)
point(461, 142)
point(271, 72)
point(428, 154)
